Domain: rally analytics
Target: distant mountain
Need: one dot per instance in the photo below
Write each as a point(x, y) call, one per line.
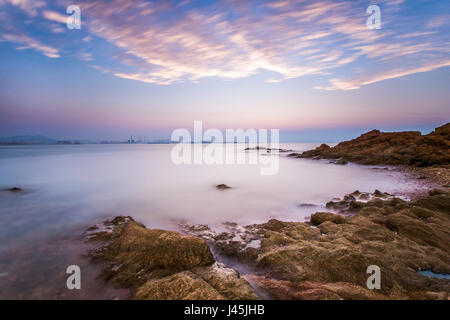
point(27, 139)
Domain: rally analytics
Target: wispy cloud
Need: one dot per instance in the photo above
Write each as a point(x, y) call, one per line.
point(54, 16)
point(168, 42)
point(31, 43)
point(340, 84)
point(31, 7)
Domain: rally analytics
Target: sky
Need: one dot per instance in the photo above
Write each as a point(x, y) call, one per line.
point(312, 69)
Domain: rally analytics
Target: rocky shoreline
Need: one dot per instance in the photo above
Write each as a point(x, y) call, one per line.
point(422, 157)
point(409, 148)
point(325, 258)
point(162, 265)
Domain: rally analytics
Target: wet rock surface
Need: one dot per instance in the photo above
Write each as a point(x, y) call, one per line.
point(160, 264)
point(328, 257)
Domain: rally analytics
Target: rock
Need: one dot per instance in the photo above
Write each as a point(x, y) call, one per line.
point(340, 205)
point(438, 175)
point(227, 281)
point(297, 261)
point(163, 264)
point(310, 290)
point(356, 200)
point(306, 205)
point(320, 217)
point(133, 252)
point(267, 149)
point(294, 155)
point(363, 196)
point(435, 192)
point(222, 187)
point(379, 194)
point(201, 283)
point(392, 148)
point(179, 286)
point(341, 162)
point(14, 189)
point(356, 194)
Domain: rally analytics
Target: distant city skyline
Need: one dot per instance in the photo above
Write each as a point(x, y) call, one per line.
point(144, 68)
point(318, 135)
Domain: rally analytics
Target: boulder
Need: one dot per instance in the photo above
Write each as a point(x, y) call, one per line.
point(162, 264)
point(319, 217)
point(179, 286)
point(222, 186)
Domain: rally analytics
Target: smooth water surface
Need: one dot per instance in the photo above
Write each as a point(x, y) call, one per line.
point(67, 188)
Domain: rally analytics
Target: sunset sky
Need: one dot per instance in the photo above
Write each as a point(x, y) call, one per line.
point(310, 68)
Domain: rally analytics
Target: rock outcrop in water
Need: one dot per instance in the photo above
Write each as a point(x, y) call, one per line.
point(328, 258)
point(222, 186)
point(268, 150)
point(392, 148)
point(161, 264)
point(14, 189)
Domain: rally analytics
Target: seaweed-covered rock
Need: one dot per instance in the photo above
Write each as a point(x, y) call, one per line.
point(201, 283)
point(297, 261)
point(320, 217)
point(227, 281)
point(179, 286)
point(134, 251)
point(162, 264)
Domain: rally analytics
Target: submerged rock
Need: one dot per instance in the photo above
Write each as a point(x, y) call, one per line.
point(306, 205)
point(13, 189)
point(222, 186)
point(267, 149)
point(162, 264)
